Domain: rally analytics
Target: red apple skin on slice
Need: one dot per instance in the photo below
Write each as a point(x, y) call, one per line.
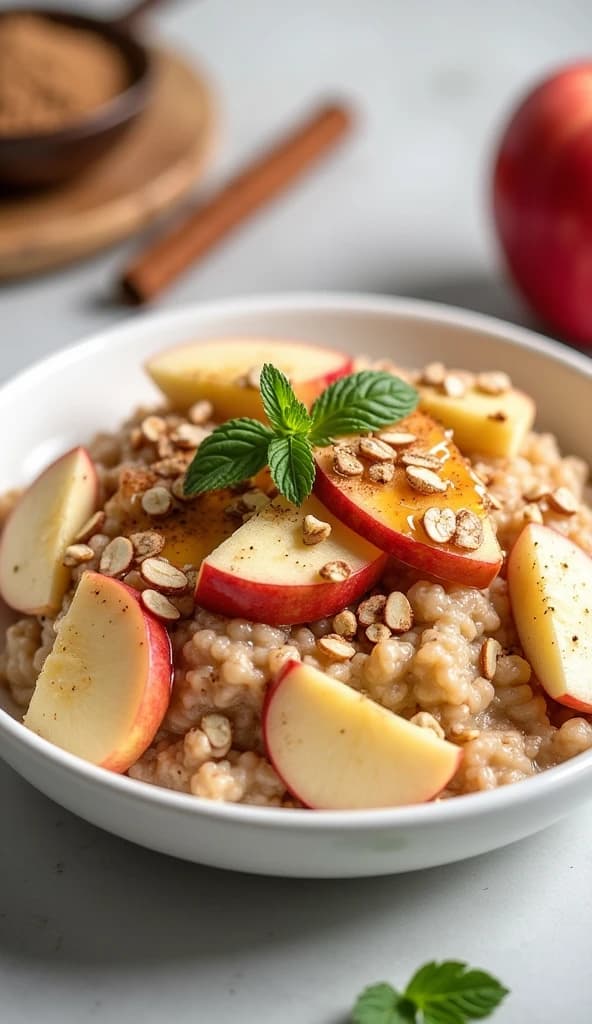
point(550, 589)
point(105, 687)
point(390, 515)
point(336, 749)
point(265, 571)
point(40, 527)
point(216, 370)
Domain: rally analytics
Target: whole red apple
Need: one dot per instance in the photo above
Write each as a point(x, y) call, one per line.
point(543, 200)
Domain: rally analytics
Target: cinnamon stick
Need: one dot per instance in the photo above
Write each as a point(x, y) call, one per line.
point(252, 188)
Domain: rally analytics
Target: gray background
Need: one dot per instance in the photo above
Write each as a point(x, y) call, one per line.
point(95, 929)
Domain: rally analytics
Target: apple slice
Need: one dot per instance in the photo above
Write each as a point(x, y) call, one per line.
point(493, 425)
point(335, 749)
point(42, 524)
point(266, 572)
point(218, 371)
point(550, 588)
point(105, 687)
point(390, 515)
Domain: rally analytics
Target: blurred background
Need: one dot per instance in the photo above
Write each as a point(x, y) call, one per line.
point(403, 204)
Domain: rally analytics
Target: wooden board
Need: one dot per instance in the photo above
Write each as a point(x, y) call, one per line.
point(153, 166)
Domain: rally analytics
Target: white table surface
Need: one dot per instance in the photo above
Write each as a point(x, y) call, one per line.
point(95, 929)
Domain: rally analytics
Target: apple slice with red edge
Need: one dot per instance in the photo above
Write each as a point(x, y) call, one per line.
point(550, 588)
point(266, 572)
point(336, 749)
point(390, 515)
point(44, 521)
point(218, 371)
point(105, 687)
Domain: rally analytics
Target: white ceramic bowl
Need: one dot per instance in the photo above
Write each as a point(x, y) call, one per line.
point(63, 400)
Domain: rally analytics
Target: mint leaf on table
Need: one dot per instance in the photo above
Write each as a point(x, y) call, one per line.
point(233, 452)
point(362, 402)
point(382, 1004)
point(239, 448)
point(453, 993)
point(450, 992)
point(292, 467)
point(283, 410)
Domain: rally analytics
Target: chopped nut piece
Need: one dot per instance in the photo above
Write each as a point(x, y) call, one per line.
point(345, 624)
point(376, 632)
point(153, 427)
point(250, 379)
point(492, 501)
point(335, 647)
point(537, 492)
point(454, 386)
point(376, 450)
point(253, 502)
point(161, 574)
point(345, 463)
point(187, 436)
point(564, 501)
point(488, 655)
point(397, 438)
point(235, 508)
point(315, 530)
point(421, 458)
point(371, 610)
point(173, 466)
point(426, 721)
point(433, 374)
point(76, 554)
point(219, 732)
point(147, 544)
point(493, 383)
point(382, 472)
point(178, 490)
point(201, 412)
point(469, 530)
point(398, 613)
point(136, 438)
point(159, 605)
point(462, 735)
point(91, 526)
point(164, 447)
point(425, 481)
point(335, 572)
point(157, 501)
point(439, 524)
point(531, 513)
point(117, 557)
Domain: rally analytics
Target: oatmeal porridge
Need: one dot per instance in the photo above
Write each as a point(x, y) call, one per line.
point(416, 614)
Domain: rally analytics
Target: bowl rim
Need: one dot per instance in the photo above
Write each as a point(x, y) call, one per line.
point(480, 804)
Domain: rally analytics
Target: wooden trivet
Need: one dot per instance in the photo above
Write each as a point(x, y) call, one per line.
point(148, 171)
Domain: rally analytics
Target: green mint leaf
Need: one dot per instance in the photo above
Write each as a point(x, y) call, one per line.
point(292, 467)
point(452, 993)
point(362, 402)
point(233, 452)
point(284, 411)
point(382, 1004)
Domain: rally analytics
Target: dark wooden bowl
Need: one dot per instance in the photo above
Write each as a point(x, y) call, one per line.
point(47, 158)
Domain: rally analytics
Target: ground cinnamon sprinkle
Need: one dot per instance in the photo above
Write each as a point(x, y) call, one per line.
point(52, 74)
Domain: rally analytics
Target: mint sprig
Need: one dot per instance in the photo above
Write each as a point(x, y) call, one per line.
point(360, 403)
point(232, 452)
point(438, 993)
point(239, 448)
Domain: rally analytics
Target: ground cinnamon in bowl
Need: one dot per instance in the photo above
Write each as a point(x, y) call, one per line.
point(52, 74)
